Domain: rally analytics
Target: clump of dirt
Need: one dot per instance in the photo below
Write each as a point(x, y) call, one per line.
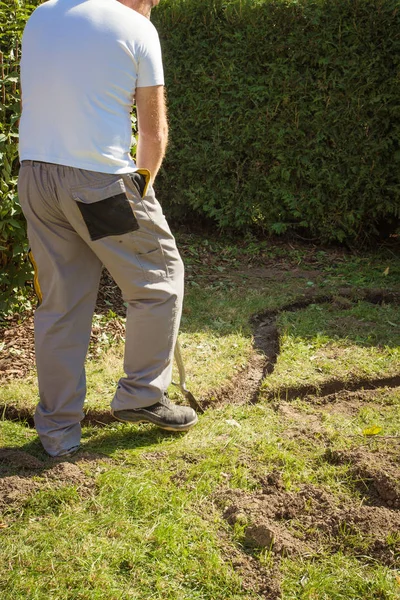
point(66, 472)
point(17, 459)
point(377, 474)
point(271, 535)
point(34, 475)
point(14, 490)
point(256, 578)
point(300, 523)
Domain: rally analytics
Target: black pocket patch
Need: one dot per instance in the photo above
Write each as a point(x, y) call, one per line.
point(111, 216)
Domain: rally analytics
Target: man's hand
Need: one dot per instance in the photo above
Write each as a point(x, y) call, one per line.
point(152, 128)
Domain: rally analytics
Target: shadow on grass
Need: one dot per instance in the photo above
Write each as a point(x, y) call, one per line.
point(31, 460)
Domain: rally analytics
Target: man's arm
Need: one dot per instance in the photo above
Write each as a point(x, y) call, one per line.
point(152, 128)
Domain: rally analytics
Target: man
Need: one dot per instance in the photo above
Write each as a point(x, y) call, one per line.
point(84, 64)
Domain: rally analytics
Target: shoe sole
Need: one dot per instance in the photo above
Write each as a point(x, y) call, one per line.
point(184, 427)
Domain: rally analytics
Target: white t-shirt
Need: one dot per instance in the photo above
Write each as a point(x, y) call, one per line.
point(81, 63)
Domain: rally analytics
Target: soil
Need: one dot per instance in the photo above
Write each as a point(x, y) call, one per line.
point(377, 474)
point(301, 523)
point(18, 354)
point(22, 475)
point(242, 389)
point(255, 578)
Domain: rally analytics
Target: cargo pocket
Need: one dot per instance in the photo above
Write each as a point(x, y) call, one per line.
point(150, 257)
point(105, 210)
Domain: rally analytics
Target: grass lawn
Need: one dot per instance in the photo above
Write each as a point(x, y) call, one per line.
point(288, 487)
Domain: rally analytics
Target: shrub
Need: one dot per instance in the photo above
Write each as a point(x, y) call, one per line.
point(14, 268)
point(283, 113)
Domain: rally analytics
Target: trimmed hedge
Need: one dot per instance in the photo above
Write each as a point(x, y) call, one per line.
point(14, 267)
point(284, 114)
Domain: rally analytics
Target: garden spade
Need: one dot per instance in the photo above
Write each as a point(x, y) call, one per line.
point(182, 380)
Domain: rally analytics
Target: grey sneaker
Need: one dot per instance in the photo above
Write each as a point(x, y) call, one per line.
point(164, 414)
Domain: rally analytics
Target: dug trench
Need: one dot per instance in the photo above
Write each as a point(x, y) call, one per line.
point(18, 355)
point(266, 344)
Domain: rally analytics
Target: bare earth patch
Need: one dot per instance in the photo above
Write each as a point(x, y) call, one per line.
point(22, 475)
point(377, 474)
point(348, 401)
point(255, 578)
point(17, 338)
point(301, 523)
point(18, 349)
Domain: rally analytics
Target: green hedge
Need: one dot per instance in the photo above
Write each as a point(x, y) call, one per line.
point(283, 113)
point(14, 268)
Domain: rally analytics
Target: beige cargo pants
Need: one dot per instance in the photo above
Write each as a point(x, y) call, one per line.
point(78, 221)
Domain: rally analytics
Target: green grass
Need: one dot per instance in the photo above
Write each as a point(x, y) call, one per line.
point(322, 343)
point(150, 529)
point(145, 522)
point(338, 577)
point(140, 537)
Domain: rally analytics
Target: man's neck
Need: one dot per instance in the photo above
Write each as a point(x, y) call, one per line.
point(141, 6)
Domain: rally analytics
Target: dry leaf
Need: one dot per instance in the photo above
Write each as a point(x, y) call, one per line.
point(374, 430)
